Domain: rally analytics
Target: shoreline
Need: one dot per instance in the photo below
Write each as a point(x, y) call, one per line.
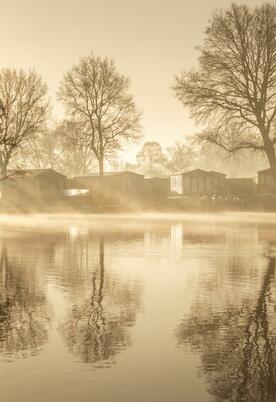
point(55, 218)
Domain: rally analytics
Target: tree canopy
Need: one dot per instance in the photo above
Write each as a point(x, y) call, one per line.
point(24, 109)
point(233, 90)
point(97, 95)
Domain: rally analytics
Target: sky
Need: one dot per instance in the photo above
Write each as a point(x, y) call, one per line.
point(151, 41)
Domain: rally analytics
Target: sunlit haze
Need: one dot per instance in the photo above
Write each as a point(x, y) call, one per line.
point(151, 42)
point(137, 248)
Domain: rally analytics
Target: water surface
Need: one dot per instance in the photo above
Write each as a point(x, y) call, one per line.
point(138, 308)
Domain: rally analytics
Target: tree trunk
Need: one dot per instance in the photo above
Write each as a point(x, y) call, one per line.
point(258, 333)
point(4, 169)
point(101, 179)
point(4, 172)
point(270, 153)
point(101, 264)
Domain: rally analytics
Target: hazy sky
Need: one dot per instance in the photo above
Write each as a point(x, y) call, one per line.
point(151, 41)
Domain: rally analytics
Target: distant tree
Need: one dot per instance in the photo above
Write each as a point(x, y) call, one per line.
point(151, 160)
point(181, 157)
point(132, 167)
point(244, 163)
point(233, 91)
point(24, 108)
point(41, 150)
point(76, 155)
point(188, 155)
point(96, 95)
point(64, 147)
point(117, 165)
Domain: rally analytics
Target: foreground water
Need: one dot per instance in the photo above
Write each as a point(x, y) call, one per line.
point(127, 309)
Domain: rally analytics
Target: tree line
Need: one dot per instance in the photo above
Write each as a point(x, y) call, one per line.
point(231, 94)
point(154, 161)
point(101, 116)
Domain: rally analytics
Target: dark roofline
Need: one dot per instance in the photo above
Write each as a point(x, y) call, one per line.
point(96, 174)
point(239, 179)
point(156, 177)
point(265, 170)
point(215, 172)
point(200, 171)
point(33, 172)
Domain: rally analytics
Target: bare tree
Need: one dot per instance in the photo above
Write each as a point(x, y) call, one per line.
point(64, 147)
point(2, 115)
point(40, 151)
point(233, 91)
point(96, 95)
point(24, 106)
point(181, 157)
point(76, 155)
point(151, 160)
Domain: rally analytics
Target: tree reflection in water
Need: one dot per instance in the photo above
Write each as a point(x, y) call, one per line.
point(97, 330)
point(237, 347)
point(23, 312)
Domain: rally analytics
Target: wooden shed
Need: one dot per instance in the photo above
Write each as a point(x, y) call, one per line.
point(265, 181)
point(198, 182)
point(156, 188)
point(33, 184)
point(240, 187)
point(119, 187)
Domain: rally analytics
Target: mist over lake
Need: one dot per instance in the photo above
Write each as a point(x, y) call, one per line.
point(138, 201)
point(178, 307)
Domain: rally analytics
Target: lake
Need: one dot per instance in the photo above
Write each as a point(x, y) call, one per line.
point(132, 308)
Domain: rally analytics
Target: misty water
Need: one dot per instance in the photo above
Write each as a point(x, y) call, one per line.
point(138, 308)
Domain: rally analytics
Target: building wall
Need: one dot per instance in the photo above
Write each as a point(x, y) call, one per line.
point(240, 186)
point(19, 189)
point(25, 189)
point(124, 188)
point(50, 184)
point(156, 189)
point(197, 183)
point(265, 182)
point(118, 188)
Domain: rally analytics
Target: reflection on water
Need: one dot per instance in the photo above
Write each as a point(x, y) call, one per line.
point(177, 236)
point(96, 329)
point(237, 340)
point(137, 310)
point(100, 307)
point(23, 311)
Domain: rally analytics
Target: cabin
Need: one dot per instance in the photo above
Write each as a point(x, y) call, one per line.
point(265, 181)
point(119, 187)
point(240, 187)
point(74, 188)
point(156, 189)
point(33, 184)
point(197, 182)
